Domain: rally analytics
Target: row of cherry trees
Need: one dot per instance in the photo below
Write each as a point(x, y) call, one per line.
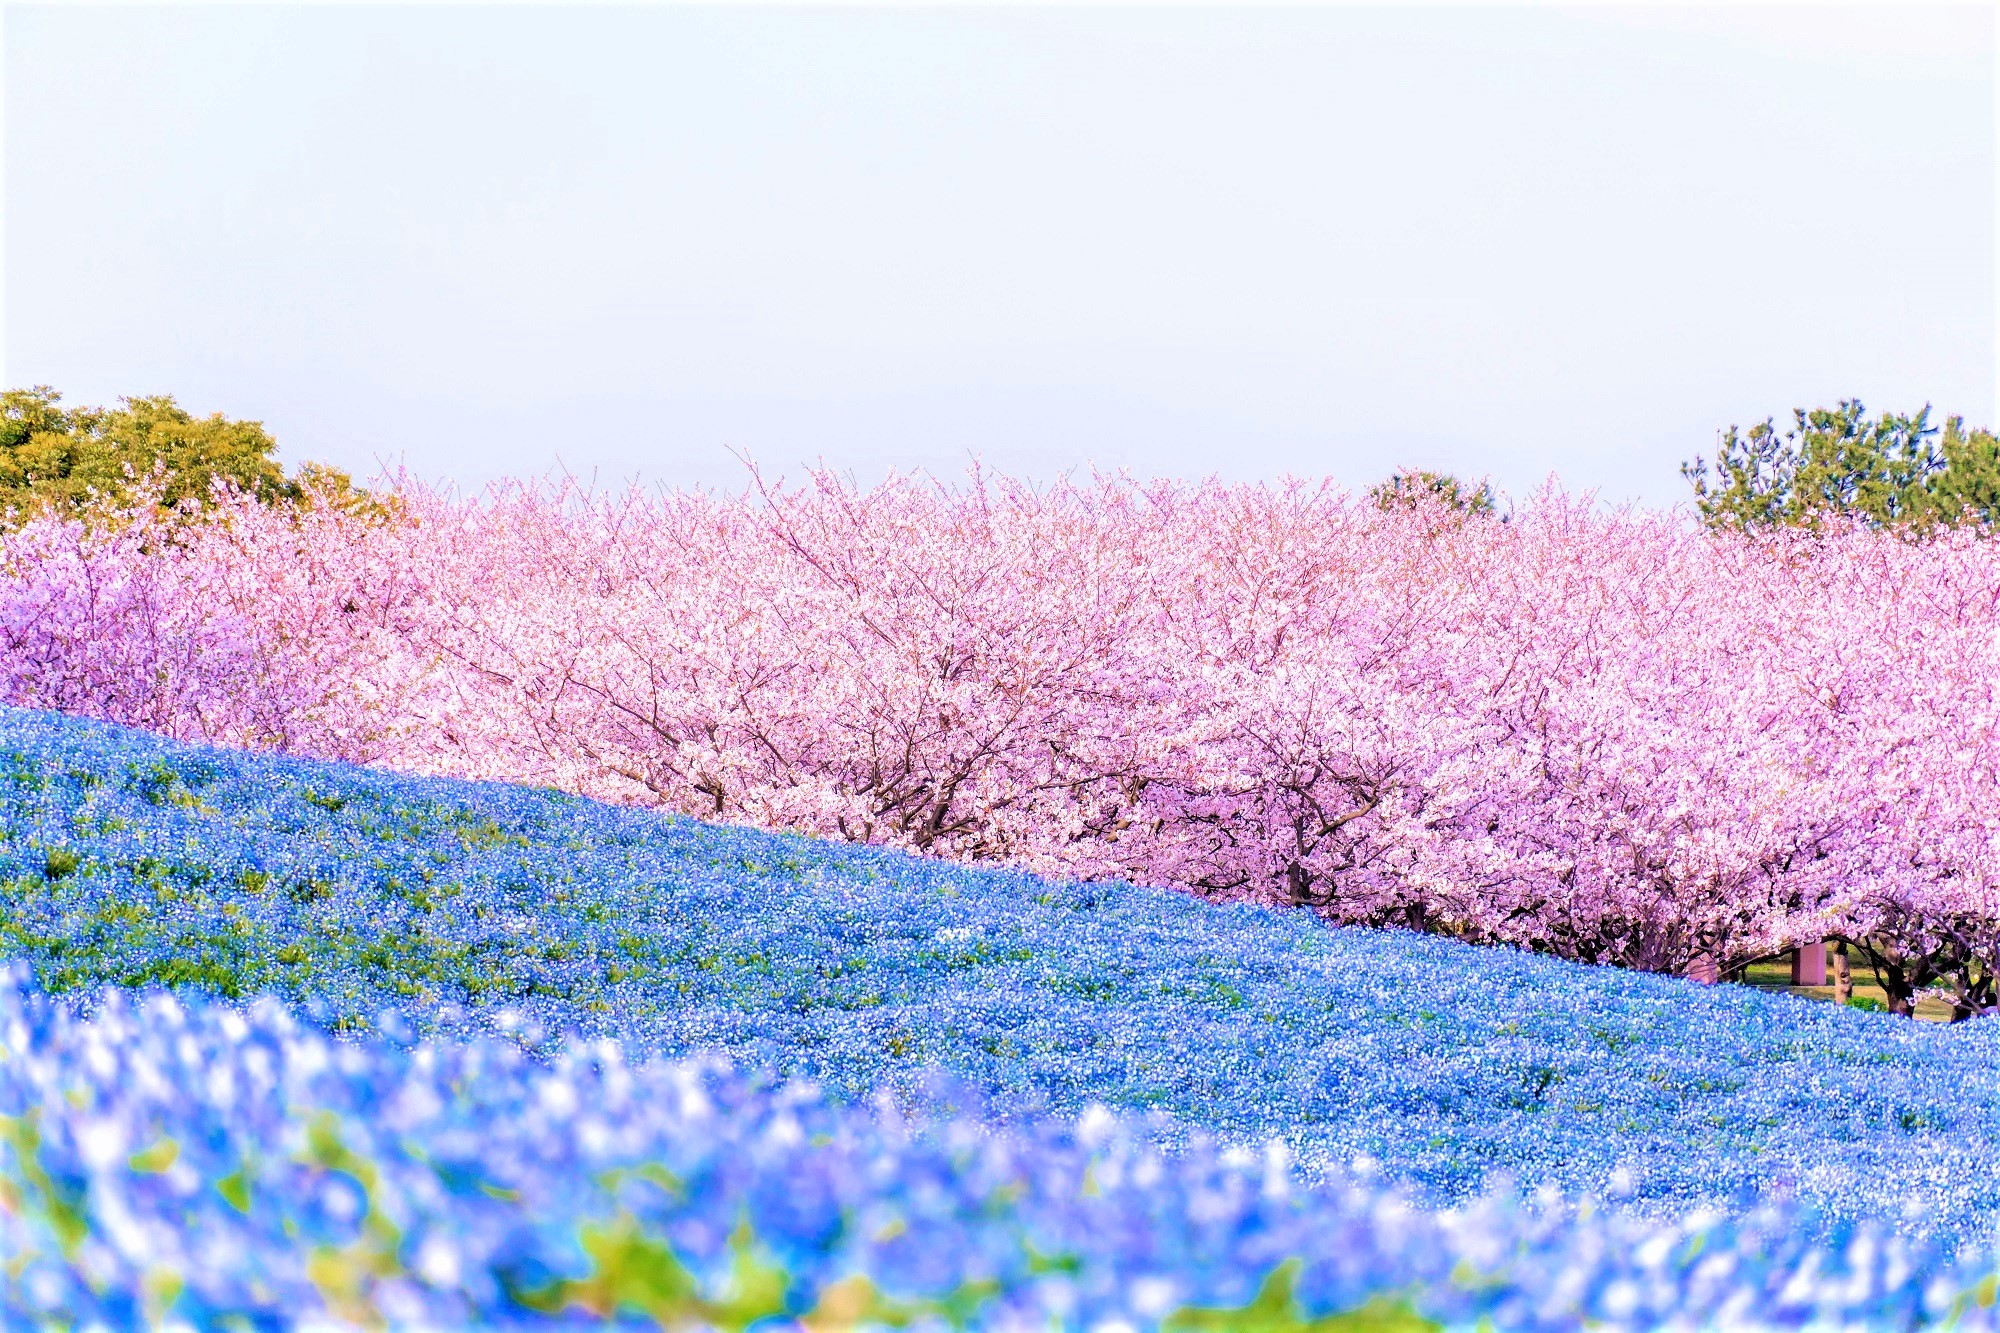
point(1602, 735)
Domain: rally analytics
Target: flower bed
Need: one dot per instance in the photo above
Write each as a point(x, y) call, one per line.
point(202, 1163)
point(406, 907)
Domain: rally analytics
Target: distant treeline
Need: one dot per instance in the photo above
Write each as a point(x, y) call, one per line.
point(1890, 471)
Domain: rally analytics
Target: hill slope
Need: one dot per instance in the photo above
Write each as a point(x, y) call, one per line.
point(469, 908)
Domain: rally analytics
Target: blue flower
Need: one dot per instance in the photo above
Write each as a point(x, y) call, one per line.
point(453, 1051)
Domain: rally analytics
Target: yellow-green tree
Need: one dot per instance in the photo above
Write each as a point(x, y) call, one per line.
point(57, 458)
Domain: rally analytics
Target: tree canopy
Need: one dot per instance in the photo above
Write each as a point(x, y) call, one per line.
point(52, 457)
point(1403, 488)
point(1889, 471)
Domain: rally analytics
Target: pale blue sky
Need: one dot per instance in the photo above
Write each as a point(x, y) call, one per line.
point(1318, 241)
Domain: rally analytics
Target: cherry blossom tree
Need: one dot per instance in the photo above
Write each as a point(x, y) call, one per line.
point(1608, 735)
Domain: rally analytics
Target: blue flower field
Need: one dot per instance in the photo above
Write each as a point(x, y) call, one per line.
point(440, 1053)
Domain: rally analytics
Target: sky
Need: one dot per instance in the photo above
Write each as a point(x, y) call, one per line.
point(642, 242)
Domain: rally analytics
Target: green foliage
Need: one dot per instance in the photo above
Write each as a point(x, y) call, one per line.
point(57, 458)
point(633, 1272)
point(348, 1275)
point(854, 1303)
point(1404, 488)
point(1890, 471)
point(1275, 1309)
point(28, 1190)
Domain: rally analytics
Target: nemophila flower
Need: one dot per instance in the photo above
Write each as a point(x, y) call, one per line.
point(462, 1184)
point(1405, 1062)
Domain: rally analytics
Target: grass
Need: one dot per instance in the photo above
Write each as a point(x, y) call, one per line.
point(1776, 975)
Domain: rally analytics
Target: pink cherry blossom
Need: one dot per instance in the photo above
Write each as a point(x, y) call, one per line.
point(1606, 735)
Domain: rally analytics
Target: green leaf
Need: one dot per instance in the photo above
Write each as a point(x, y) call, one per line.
point(1275, 1309)
point(153, 1160)
point(235, 1189)
point(632, 1272)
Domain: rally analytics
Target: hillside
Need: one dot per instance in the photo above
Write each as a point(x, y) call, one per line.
point(369, 900)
